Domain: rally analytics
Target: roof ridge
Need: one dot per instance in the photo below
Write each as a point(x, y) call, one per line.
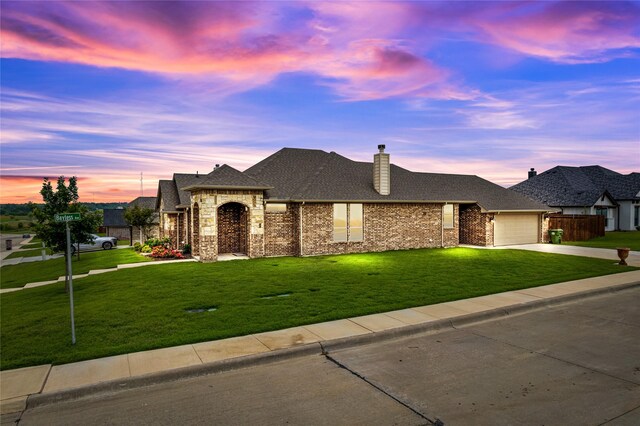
point(304, 185)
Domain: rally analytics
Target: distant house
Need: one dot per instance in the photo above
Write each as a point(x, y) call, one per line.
point(588, 190)
point(117, 226)
point(300, 202)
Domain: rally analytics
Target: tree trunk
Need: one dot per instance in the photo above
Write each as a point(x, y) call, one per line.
point(141, 242)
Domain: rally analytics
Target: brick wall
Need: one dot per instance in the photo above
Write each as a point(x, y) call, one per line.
point(282, 232)
point(475, 227)
point(391, 226)
point(195, 230)
point(120, 232)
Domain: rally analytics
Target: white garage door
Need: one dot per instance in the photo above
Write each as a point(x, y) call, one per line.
point(515, 229)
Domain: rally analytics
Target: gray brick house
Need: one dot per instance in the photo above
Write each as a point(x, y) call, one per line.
point(300, 202)
point(588, 190)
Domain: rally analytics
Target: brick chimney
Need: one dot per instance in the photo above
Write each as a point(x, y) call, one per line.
point(382, 172)
point(532, 173)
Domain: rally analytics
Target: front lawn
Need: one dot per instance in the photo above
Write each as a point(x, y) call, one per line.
point(146, 308)
point(612, 240)
point(12, 276)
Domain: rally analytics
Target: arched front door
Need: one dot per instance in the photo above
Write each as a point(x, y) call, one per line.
point(232, 228)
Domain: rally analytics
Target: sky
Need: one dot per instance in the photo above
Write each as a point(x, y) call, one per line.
point(106, 91)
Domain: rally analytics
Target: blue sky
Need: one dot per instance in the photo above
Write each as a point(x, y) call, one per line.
point(106, 90)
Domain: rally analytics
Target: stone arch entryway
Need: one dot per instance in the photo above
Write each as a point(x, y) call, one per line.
point(195, 249)
point(232, 228)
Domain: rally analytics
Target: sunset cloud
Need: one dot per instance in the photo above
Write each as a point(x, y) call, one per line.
point(106, 90)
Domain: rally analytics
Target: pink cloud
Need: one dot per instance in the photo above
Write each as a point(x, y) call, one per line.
point(239, 42)
point(570, 32)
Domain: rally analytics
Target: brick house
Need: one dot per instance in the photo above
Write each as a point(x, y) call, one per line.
point(300, 202)
point(117, 226)
point(588, 190)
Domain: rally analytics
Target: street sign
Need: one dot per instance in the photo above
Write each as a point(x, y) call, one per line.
point(66, 217)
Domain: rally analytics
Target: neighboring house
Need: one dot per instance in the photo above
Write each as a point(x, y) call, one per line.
point(154, 231)
point(300, 202)
point(116, 226)
point(588, 190)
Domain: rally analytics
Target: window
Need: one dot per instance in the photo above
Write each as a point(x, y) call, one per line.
point(447, 216)
point(602, 211)
point(636, 216)
point(276, 208)
point(347, 223)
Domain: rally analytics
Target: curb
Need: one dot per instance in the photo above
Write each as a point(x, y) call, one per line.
point(317, 348)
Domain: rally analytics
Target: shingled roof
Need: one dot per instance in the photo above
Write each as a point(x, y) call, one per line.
point(226, 177)
point(565, 186)
point(183, 180)
point(147, 202)
point(114, 218)
point(168, 193)
point(315, 175)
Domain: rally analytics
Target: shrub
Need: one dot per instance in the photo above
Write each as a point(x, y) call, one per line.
point(186, 249)
point(20, 225)
point(137, 247)
point(146, 249)
point(161, 252)
point(155, 242)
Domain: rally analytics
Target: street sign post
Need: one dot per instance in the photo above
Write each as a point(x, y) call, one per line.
point(66, 218)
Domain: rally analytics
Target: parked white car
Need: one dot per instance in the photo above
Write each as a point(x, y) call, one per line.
point(106, 243)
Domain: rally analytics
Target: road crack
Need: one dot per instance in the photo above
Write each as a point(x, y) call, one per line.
point(435, 422)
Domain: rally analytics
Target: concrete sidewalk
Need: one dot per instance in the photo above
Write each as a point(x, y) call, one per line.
point(45, 384)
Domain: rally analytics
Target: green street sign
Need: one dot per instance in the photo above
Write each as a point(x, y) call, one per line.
point(67, 217)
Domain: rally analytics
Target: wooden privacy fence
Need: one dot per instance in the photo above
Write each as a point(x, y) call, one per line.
point(578, 227)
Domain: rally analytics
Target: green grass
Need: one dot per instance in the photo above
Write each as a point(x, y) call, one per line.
point(145, 308)
point(12, 276)
point(28, 253)
point(612, 240)
point(32, 245)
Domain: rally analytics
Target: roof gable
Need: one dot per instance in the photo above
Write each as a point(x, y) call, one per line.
point(227, 177)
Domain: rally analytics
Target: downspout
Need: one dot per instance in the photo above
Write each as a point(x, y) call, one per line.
point(442, 226)
point(300, 228)
point(178, 231)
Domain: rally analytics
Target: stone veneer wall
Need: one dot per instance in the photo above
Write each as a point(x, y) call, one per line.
point(475, 227)
point(388, 226)
point(282, 232)
point(120, 232)
point(209, 200)
point(169, 228)
point(544, 229)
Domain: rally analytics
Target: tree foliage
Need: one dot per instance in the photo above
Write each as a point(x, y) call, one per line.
point(62, 200)
point(141, 217)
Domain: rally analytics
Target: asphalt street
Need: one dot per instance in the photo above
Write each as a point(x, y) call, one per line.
point(575, 364)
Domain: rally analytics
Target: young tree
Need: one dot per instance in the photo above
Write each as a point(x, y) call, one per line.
point(63, 199)
point(142, 217)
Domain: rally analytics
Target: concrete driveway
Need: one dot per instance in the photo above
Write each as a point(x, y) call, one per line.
point(599, 253)
point(573, 364)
